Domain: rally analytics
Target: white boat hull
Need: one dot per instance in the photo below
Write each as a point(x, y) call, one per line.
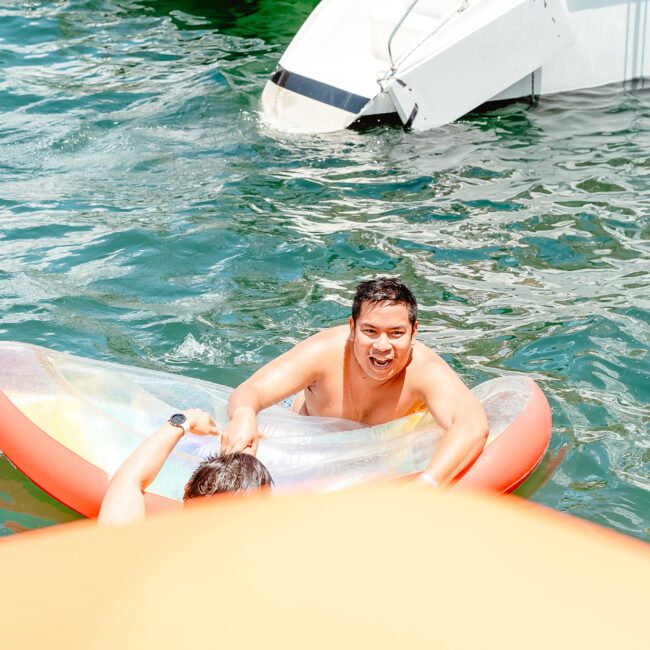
point(448, 57)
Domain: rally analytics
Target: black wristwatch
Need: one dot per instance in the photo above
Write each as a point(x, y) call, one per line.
point(179, 420)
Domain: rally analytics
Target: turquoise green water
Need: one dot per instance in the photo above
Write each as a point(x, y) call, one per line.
point(148, 217)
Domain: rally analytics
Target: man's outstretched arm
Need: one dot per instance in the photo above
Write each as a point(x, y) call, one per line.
point(278, 379)
point(460, 413)
point(123, 502)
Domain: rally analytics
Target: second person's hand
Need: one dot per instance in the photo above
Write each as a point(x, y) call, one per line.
point(201, 423)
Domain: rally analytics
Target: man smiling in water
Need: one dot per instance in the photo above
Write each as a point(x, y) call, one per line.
point(371, 370)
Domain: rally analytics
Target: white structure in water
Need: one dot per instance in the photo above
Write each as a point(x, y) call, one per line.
point(432, 61)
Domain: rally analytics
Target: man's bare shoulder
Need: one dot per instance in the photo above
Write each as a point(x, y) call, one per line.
point(323, 344)
point(319, 354)
point(334, 337)
point(427, 364)
point(424, 354)
point(308, 362)
point(430, 373)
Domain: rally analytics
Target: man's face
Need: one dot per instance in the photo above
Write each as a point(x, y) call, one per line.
point(382, 339)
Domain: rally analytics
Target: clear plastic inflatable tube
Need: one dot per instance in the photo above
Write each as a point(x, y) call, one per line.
point(68, 423)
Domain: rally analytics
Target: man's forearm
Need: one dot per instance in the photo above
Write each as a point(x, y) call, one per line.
point(245, 397)
point(459, 446)
point(242, 432)
point(244, 418)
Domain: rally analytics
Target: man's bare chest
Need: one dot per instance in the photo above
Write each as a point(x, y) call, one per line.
point(361, 402)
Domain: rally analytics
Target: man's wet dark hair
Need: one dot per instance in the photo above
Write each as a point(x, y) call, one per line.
point(237, 473)
point(384, 289)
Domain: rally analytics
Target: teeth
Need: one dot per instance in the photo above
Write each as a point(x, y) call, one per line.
point(381, 364)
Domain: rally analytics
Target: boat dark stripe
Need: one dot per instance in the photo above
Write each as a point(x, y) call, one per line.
point(318, 90)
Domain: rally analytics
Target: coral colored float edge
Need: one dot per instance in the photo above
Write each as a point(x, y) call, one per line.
point(502, 466)
point(49, 465)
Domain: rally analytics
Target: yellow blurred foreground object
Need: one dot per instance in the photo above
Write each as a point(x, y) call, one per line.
point(389, 566)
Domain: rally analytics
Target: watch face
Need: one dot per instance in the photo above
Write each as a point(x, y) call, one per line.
point(178, 419)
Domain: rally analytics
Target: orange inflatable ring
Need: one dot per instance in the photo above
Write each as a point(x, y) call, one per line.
point(68, 423)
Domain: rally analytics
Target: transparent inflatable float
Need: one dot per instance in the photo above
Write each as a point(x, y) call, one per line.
point(68, 423)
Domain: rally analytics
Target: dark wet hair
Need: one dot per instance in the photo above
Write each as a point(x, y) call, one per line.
point(384, 289)
point(238, 473)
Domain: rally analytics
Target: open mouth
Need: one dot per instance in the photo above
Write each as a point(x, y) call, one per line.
point(380, 364)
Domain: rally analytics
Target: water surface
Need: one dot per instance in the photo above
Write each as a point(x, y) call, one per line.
point(148, 217)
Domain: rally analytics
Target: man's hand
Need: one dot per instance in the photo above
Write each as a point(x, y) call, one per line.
point(241, 433)
point(200, 423)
